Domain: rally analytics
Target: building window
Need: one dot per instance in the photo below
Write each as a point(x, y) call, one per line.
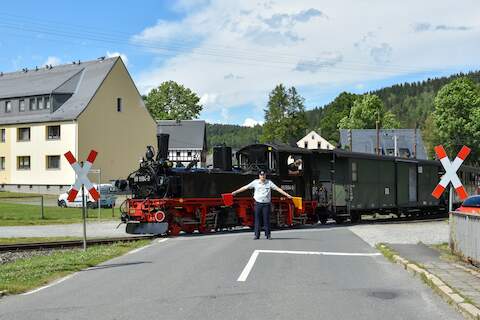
point(47, 102)
point(23, 163)
point(178, 154)
point(23, 134)
point(2, 163)
point(189, 153)
point(3, 135)
point(40, 103)
point(8, 106)
point(21, 105)
point(319, 145)
point(119, 104)
point(53, 132)
point(305, 145)
point(53, 162)
point(33, 105)
point(313, 137)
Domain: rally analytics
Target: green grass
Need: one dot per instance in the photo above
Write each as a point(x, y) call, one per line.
point(25, 274)
point(37, 239)
point(445, 252)
point(6, 194)
point(386, 251)
point(14, 214)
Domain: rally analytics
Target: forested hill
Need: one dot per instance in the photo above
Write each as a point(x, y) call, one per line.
point(410, 102)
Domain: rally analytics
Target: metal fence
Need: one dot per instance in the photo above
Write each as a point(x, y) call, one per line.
point(465, 235)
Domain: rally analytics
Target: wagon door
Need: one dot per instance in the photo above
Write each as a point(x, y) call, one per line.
point(406, 184)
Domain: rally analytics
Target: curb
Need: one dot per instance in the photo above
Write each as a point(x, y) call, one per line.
point(441, 288)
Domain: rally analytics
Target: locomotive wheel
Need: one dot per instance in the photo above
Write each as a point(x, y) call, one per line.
point(339, 220)
point(323, 219)
point(188, 228)
point(174, 230)
point(203, 229)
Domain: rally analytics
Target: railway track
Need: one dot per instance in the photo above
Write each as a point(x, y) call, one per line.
point(66, 243)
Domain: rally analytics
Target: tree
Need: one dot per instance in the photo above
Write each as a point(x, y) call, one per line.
point(332, 114)
point(285, 118)
point(457, 108)
point(172, 101)
point(365, 112)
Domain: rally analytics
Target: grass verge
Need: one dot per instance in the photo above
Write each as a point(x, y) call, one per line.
point(25, 274)
point(36, 239)
point(16, 214)
point(386, 251)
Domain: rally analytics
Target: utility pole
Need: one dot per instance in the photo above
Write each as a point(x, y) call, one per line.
point(350, 140)
point(415, 142)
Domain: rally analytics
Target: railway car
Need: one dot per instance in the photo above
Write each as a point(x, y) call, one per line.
point(357, 184)
point(333, 184)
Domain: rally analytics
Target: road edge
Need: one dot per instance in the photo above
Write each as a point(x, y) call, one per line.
point(438, 286)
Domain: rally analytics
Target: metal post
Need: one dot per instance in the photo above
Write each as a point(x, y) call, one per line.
point(84, 218)
point(41, 204)
point(377, 127)
point(100, 196)
point(450, 199)
point(395, 152)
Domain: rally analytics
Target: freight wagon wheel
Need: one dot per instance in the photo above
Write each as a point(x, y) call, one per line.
point(323, 219)
point(188, 228)
point(174, 230)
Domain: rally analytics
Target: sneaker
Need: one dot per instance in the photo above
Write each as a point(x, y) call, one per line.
point(255, 238)
point(269, 237)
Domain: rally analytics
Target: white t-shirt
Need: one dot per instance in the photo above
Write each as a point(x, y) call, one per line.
point(262, 190)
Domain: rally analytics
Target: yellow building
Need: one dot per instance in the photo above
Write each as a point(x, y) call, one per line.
point(76, 107)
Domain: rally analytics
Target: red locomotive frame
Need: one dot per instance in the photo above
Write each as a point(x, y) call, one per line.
point(191, 214)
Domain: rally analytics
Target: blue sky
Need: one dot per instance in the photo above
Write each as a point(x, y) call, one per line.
point(233, 53)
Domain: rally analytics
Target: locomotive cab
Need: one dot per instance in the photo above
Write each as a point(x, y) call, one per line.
point(289, 167)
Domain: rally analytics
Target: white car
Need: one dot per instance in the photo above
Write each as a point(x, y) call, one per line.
point(107, 198)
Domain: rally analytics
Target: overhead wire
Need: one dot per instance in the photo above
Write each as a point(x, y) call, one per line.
point(278, 61)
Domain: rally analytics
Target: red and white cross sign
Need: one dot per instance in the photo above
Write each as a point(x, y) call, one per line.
point(81, 172)
point(450, 175)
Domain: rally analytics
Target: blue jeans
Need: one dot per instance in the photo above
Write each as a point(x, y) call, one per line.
point(262, 211)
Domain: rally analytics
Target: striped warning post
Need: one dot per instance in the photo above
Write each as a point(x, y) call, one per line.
point(81, 172)
point(451, 172)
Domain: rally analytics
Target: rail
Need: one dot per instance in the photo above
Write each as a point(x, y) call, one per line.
point(465, 236)
point(66, 243)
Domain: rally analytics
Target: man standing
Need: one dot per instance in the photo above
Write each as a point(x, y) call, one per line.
point(262, 195)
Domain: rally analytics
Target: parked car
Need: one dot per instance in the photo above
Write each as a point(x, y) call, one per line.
point(107, 198)
point(471, 205)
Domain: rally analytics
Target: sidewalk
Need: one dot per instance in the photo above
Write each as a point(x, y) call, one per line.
point(461, 278)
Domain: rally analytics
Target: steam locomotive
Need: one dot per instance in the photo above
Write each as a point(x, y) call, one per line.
point(333, 184)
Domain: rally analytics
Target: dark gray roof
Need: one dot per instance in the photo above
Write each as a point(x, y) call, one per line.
point(80, 80)
point(365, 140)
point(184, 134)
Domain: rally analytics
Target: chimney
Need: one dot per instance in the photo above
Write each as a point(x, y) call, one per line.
point(162, 146)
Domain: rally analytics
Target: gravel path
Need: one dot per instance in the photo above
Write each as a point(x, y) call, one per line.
point(94, 229)
point(405, 233)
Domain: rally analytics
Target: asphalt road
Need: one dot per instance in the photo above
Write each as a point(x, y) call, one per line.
point(197, 278)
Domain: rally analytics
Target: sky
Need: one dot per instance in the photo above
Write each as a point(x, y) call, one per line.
point(233, 53)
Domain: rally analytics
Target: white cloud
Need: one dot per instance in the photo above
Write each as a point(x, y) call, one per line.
point(52, 60)
point(241, 49)
point(249, 122)
point(118, 54)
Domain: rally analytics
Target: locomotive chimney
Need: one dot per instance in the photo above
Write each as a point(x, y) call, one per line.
point(162, 145)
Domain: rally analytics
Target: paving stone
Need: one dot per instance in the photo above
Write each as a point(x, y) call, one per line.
point(471, 309)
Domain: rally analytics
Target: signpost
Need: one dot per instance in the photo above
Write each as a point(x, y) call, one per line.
point(450, 175)
point(82, 181)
